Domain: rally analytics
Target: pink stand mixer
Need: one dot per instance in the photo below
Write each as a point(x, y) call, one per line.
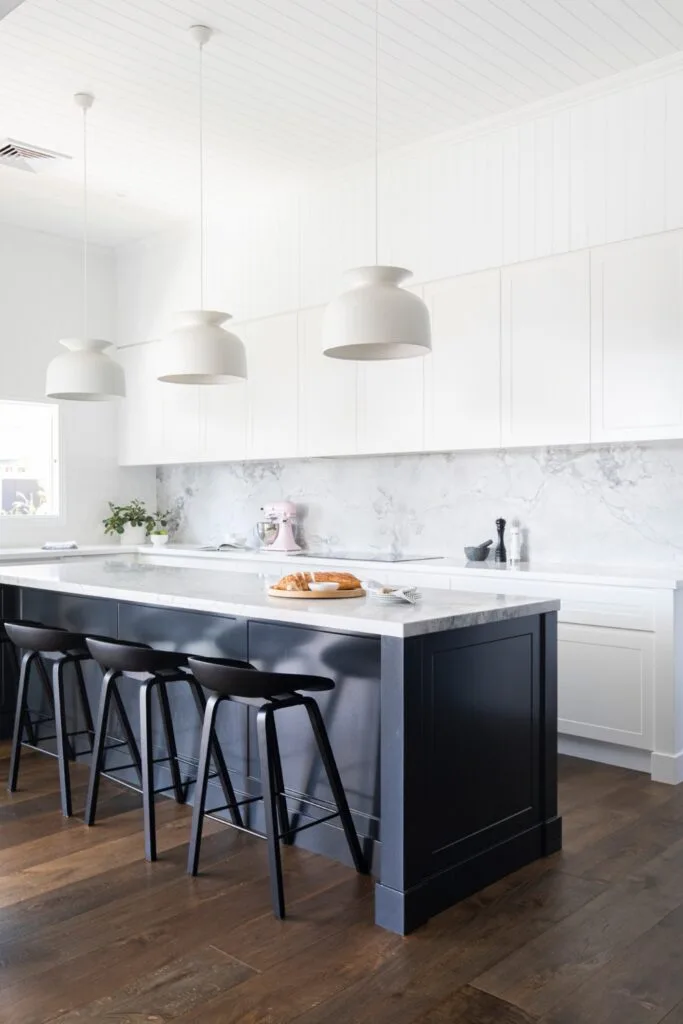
point(278, 522)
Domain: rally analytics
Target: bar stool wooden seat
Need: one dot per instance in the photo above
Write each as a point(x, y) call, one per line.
point(151, 669)
point(269, 692)
point(62, 647)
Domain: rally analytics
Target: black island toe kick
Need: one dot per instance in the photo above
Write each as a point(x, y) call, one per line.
point(445, 743)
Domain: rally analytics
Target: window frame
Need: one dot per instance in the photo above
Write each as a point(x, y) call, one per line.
point(56, 488)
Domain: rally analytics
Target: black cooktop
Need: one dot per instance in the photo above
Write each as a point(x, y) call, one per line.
point(365, 556)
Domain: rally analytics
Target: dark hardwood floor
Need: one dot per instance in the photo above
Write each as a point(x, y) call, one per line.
point(90, 932)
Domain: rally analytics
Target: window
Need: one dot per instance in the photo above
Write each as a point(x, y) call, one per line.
point(29, 462)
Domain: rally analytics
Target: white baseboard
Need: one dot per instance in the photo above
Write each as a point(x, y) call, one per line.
point(605, 753)
point(666, 768)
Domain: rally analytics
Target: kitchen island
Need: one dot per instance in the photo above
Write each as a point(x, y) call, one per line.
point(443, 719)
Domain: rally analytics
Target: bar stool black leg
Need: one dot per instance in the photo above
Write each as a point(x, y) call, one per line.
point(128, 733)
point(281, 802)
point(60, 724)
point(147, 752)
point(202, 783)
point(20, 717)
point(85, 703)
point(171, 748)
point(97, 765)
point(334, 779)
point(49, 693)
point(217, 754)
point(264, 732)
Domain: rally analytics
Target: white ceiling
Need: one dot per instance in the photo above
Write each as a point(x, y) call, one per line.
point(289, 87)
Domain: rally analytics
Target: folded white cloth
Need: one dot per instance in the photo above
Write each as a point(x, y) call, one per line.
point(390, 593)
point(59, 545)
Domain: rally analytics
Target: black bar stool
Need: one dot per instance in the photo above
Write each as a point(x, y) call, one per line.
point(63, 647)
point(269, 692)
point(152, 669)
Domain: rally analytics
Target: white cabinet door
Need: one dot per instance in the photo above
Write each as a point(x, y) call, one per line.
point(546, 351)
point(141, 411)
point(462, 376)
point(327, 393)
point(637, 324)
point(391, 404)
point(223, 422)
point(605, 684)
point(181, 435)
point(272, 387)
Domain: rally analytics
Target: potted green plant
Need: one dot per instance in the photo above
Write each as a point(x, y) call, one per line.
point(131, 522)
point(158, 533)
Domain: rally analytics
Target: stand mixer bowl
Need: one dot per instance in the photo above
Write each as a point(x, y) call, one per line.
point(267, 531)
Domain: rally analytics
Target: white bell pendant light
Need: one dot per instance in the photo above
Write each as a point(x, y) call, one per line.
point(84, 373)
point(375, 318)
point(198, 350)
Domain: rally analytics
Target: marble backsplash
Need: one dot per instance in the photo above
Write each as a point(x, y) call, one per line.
point(615, 505)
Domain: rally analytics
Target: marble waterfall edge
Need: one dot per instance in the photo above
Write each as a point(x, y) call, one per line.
point(615, 505)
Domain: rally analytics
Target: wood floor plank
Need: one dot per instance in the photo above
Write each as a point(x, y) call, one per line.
point(641, 986)
point(546, 970)
point(90, 931)
point(471, 1006)
point(454, 949)
point(162, 995)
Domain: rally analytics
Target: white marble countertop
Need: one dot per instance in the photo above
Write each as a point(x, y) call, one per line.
point(656, 577)
point(87, 551)
point(124, 578)
point(661, 577)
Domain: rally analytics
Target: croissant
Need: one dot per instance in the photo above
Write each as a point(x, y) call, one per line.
point(300, 580)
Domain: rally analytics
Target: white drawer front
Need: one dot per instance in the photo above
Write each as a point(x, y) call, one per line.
point(605, 684)
point(617, 607)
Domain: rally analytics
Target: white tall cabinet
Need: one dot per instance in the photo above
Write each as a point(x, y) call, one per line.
point(637, 329)
point(328, 393)
point(462, 376)
point(571, 349)
point(546, 351)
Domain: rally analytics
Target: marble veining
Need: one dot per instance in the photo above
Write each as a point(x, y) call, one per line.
point(125, 578)
point(607, 505)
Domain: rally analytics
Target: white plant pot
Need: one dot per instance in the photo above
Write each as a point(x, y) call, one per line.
point(158, 539)
point(134, 534)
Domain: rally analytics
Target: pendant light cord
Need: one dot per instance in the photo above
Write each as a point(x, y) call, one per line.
point(377, 132)
point(201, 175)
point(85, 223)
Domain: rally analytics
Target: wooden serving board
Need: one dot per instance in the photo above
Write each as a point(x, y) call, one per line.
point(315, 595)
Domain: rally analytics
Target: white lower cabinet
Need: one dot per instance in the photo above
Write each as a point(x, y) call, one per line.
point(605, 684)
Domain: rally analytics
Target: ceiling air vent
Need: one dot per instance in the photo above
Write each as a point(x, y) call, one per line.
point(24, 157)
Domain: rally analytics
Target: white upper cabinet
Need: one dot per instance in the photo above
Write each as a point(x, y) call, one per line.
point(181, 437)
point(223, 422)
point(546, 351)
point(637, 327)
point(141, 411)
point(462, 376)
point(272, 387)
point(391, 404)
point(327, 393)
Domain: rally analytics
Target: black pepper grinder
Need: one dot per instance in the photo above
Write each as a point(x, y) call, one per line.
point(500, 554)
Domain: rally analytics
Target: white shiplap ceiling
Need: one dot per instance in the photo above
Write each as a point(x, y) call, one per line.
point(288, 87)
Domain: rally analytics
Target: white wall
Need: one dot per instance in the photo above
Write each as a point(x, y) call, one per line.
point(40, 302)
point(593, 166)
